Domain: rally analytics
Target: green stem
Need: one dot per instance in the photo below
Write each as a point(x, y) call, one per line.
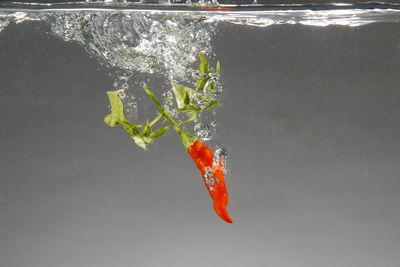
point(187, 138)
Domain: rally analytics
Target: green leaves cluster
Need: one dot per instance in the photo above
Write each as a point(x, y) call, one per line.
point(194, 101)
point(204, 74)
point(142, 134)
point(188, 100)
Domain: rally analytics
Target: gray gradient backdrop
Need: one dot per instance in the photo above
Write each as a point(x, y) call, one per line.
point(311, 119)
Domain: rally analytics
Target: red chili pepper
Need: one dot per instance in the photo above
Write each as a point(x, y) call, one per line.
point(213, 176)
point(213, 8)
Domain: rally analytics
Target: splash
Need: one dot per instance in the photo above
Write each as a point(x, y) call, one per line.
point(142, 42)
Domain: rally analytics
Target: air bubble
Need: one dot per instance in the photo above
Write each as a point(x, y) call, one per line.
point(121, 93)
point(221, 155)
point(202, 131)
point(169, 101)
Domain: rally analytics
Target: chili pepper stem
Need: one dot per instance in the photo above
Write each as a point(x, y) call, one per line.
point(187, 138)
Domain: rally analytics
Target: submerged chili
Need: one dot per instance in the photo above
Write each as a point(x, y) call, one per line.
point(213, 175)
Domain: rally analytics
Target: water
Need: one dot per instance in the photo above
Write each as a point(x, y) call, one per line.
point(309, 123)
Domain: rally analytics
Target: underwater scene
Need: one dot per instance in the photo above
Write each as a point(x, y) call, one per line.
point(192, 133)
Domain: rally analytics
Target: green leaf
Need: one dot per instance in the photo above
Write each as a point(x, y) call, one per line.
point(148, 140)
point(159, 132)
point(193, 117)
point(203, 76)
point(203, 66)
point(146, 131)
point(186, 99)
point(201, 83)
point(212, 104)
point(142, 141)
point(218, 68)
point(153, 97)
point(153, 121)
point(139, 141)
point(181, 93)
point(130, 128)
point(189, 108)
point(117, 110)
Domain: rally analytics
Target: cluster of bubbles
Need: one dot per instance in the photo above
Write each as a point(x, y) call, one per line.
point(221, 156)
point(210, 179)
point(169, 103)
point(141, 42)
point(202, 131)
point(220, 159)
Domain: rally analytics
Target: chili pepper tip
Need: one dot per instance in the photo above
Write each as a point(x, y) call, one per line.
point(223, 214)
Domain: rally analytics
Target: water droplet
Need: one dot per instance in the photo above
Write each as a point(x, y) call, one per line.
point(202, 131)
point(125, 86)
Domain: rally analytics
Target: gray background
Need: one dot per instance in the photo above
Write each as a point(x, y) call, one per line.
point(310, 117)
